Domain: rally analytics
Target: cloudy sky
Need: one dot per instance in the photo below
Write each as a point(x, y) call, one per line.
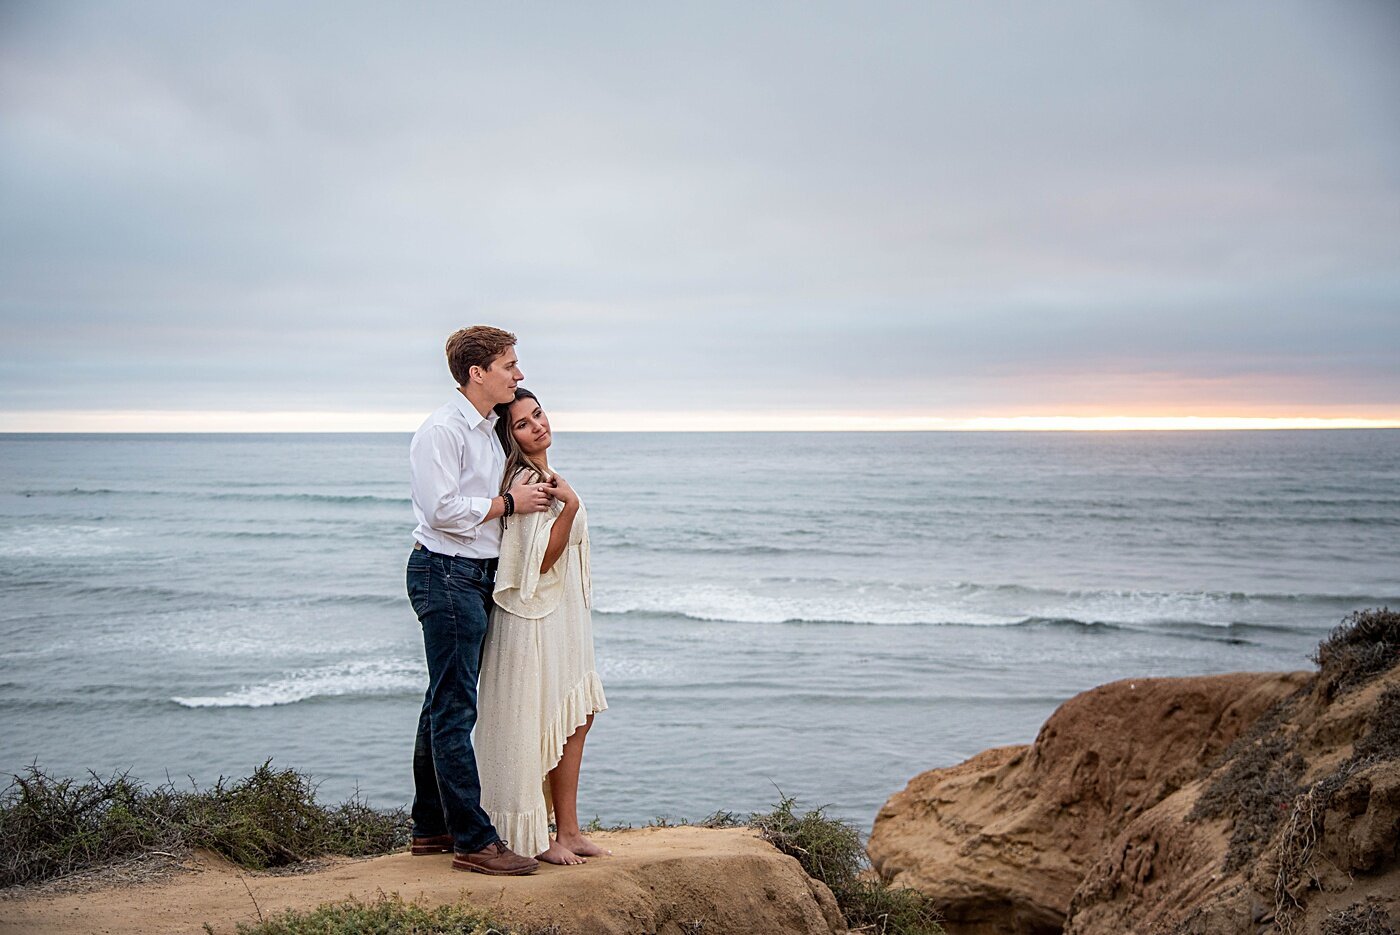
point(939, 210)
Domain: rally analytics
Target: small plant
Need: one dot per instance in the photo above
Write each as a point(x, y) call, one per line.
point(831, 851)
point(722, 819)
point(597, 825)
point(666, 821)
point(387, 915)
point(1358, 919)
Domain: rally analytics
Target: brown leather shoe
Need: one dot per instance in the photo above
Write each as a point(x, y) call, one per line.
point(436, 844)
point(497, 860)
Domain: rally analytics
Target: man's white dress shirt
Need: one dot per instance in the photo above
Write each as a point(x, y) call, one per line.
point(455, 463)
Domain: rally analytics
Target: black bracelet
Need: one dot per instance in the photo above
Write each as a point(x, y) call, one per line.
point(510, 503)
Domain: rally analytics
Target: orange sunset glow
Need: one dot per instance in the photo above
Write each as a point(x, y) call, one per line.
point(677, 421)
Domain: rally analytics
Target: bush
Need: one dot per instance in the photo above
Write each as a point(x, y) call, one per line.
point(831, 850)
point(50, 827)
point(272, 819)
point(387, 915)
point(828, 849)
point(1366, 644)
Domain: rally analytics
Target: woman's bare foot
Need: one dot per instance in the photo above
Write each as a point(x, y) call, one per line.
point(559, 854)
point(580, 845)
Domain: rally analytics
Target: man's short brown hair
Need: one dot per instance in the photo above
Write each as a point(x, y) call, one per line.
point(476, 346)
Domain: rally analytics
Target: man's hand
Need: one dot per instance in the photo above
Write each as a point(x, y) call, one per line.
point(562, 491)
point(531, 498)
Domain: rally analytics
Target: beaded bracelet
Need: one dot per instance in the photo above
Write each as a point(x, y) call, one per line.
point(510, 503)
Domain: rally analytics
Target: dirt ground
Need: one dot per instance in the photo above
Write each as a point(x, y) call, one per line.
point(658, 880)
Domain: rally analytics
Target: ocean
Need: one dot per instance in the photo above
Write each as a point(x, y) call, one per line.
point(814, 615)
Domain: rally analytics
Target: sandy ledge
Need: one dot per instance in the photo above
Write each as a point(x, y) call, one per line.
point(658, 880)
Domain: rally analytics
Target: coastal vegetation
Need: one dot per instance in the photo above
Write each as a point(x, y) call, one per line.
point(832, 851)
point(51, 826)
point(387, 915)
point(1366, 644)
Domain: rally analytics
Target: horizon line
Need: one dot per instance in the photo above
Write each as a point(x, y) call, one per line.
point(159, 422)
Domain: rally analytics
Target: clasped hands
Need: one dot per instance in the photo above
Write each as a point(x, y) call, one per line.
point(535, 498)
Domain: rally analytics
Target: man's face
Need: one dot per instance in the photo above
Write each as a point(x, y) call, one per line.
point(500, 378)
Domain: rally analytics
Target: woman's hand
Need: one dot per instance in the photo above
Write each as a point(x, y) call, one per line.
point(563, 523)
point(532, 498)
point(563, 492)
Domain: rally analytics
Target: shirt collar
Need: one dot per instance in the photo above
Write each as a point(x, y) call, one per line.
point(468, 411)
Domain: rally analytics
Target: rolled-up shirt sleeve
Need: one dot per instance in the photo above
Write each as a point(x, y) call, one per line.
point(435, 463)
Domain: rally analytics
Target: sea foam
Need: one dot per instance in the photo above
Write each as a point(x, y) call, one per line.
point(823, 600)
point(341, 679)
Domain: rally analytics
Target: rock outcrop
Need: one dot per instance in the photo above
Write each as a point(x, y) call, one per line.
point(663, 880)
point(1242, 803)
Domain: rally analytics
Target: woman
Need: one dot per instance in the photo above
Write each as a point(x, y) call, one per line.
point(539, 688)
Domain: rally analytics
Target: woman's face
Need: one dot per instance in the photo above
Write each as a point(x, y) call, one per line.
point(529, 426)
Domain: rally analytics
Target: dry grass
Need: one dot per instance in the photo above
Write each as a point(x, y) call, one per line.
point(1366, 644)
point(1301, 834)
point(1358, 919)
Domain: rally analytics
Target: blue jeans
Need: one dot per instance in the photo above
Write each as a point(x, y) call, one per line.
point(451, 597)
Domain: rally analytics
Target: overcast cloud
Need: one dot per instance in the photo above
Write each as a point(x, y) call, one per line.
point(949, 208)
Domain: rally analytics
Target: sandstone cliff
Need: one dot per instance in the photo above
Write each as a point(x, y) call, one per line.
point(1241, 803)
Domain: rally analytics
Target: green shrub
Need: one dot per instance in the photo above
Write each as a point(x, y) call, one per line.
point(272, 819)
point(831, 850)
point(50, 827)
point(875, 906)
point(387, 915)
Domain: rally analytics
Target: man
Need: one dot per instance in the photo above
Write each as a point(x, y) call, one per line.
point(456, 465)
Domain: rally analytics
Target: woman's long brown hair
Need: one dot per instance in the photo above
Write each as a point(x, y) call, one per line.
point(516, 460)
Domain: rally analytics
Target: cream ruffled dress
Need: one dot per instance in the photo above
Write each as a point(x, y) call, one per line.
point(538, 679)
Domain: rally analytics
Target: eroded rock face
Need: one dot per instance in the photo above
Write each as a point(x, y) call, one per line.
point(1003, 840)
point(1224, 805)
point(1333, 846)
